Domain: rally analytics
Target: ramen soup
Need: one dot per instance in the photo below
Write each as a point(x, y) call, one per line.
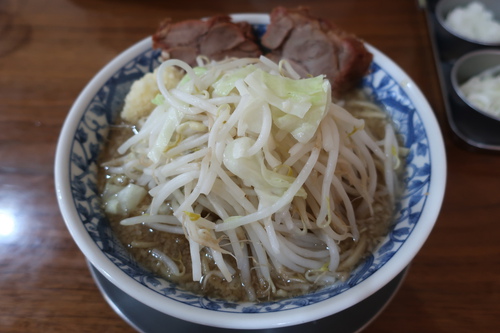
point(239, 180)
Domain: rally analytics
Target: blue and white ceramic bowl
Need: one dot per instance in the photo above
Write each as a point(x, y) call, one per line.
point(82, 138)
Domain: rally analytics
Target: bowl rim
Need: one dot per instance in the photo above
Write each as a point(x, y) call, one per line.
point(386, 273)
point(456, 85)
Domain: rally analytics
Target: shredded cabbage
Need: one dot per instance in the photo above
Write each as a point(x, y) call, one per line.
point(122, 199)
point(268, 184)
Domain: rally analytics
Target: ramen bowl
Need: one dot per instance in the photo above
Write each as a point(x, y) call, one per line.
point(81, 141)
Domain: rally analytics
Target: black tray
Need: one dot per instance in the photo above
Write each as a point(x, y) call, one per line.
point(472, 128)
point(148, 320)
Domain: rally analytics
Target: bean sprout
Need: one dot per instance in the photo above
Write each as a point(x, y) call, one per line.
point(266, 178)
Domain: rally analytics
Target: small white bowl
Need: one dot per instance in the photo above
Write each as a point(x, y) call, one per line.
point(82, 138)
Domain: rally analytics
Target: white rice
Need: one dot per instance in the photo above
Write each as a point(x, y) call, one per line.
point(474, 22)
point(483, 92)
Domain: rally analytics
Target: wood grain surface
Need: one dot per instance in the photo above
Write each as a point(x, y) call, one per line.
point(49, 50)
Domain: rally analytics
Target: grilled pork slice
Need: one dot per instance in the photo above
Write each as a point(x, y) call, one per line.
point(215, 38)
point(315, 46)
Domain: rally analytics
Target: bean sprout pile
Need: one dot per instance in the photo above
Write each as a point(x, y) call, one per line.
point(261, 171)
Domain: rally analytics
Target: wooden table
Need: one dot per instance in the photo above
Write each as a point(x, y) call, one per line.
point(49, 50)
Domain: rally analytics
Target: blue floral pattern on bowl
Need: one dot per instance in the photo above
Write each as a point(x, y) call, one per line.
point(107, 103)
